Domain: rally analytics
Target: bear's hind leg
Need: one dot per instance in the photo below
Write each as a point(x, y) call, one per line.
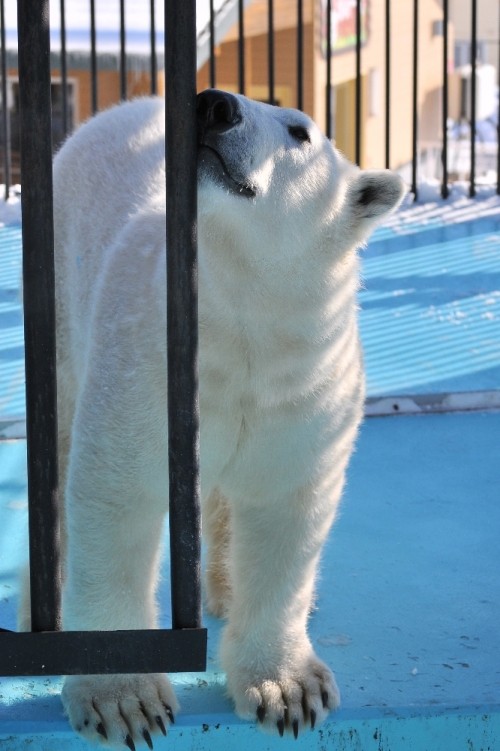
point(216, 531)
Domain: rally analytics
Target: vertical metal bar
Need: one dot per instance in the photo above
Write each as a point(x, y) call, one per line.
point(212, 44)
point(154, 64)
point(39, 310)
point(270, 48)
point(473, 55)
point(93, 59)
point(64, 72)
point(444, 184)
point(123, 56)
point(387, 84)
point(5, 104)
point(498, 117)
point(182, 312)
point(328, 68)
point(300, 54)
point(358, 84)
point(414, 157)
point(241, 47)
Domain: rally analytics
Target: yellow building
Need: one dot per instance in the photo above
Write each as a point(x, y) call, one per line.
point(315, 67)
point(343, 69)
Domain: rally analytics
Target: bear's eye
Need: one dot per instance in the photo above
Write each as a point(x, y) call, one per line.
point(300, 133)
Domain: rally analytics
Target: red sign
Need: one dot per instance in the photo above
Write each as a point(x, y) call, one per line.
point(343, 24)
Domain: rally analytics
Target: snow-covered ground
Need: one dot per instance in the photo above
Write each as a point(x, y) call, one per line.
point(429, 207)
point(10, 211)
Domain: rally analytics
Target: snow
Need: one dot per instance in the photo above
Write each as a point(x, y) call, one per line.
point(10, 210)
point(431, 207)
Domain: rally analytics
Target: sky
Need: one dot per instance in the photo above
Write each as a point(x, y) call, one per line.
point(137, 22)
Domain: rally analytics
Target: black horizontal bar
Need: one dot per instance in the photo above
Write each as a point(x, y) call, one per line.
point(102, 652)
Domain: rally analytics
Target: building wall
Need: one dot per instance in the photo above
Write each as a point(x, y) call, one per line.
point(108, 88)
point(488, 24)
point(430, 73)
point(430, 79)
point(256, 68)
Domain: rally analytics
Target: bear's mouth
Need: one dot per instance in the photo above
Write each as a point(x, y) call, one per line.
point(210, 159)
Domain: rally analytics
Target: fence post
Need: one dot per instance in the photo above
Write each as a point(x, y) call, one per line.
point(182, 311)
point(39, 311)
point(5, 104)
point(414, 159)
point(93, 60)
point(473, 62)
point(358, 113)
point(444, 183)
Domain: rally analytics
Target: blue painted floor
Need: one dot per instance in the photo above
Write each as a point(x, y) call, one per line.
point(409, 597)
point(12, 403)
point(430, 319)
point(408, 604)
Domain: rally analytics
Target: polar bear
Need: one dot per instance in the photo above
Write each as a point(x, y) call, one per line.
point(281, 216)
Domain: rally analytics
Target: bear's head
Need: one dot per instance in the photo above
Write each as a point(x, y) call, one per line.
point(266, 173)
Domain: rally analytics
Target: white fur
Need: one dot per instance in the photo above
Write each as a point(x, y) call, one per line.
point(281, 395)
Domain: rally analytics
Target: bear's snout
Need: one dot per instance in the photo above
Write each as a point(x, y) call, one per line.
point(216, 111)
point(219, 157)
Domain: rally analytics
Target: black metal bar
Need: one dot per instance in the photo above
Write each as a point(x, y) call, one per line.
point(328, 102)
point(300, 54)
point(64, 72)
point(123, 56)
point(102, 652)
point(473, 55)
point(154, 64)
point(5, 104)
point(182, 313)
point(498, 118)
point(270, 49)
point(414, 157)
point(39, 311)
point(241, 47)
point(212, 44)
point(358, 85)
point(93, 60)
point(444, 184)
point(387, 84)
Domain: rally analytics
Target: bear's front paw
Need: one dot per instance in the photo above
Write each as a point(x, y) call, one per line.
point(120, 710)
point(289, 699)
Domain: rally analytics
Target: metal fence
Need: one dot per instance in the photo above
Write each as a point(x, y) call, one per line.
point(47, 650)
point(439, 151)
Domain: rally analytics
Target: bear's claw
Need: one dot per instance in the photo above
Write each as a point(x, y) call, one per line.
point(161, 724)
point(169, 712)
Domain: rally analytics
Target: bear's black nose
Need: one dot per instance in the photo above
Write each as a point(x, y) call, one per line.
point(216, 111)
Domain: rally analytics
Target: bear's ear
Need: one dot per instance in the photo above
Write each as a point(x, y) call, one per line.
point(375, 193)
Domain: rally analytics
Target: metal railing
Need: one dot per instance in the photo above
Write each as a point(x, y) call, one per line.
point(209, 34)
point(46, 650)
